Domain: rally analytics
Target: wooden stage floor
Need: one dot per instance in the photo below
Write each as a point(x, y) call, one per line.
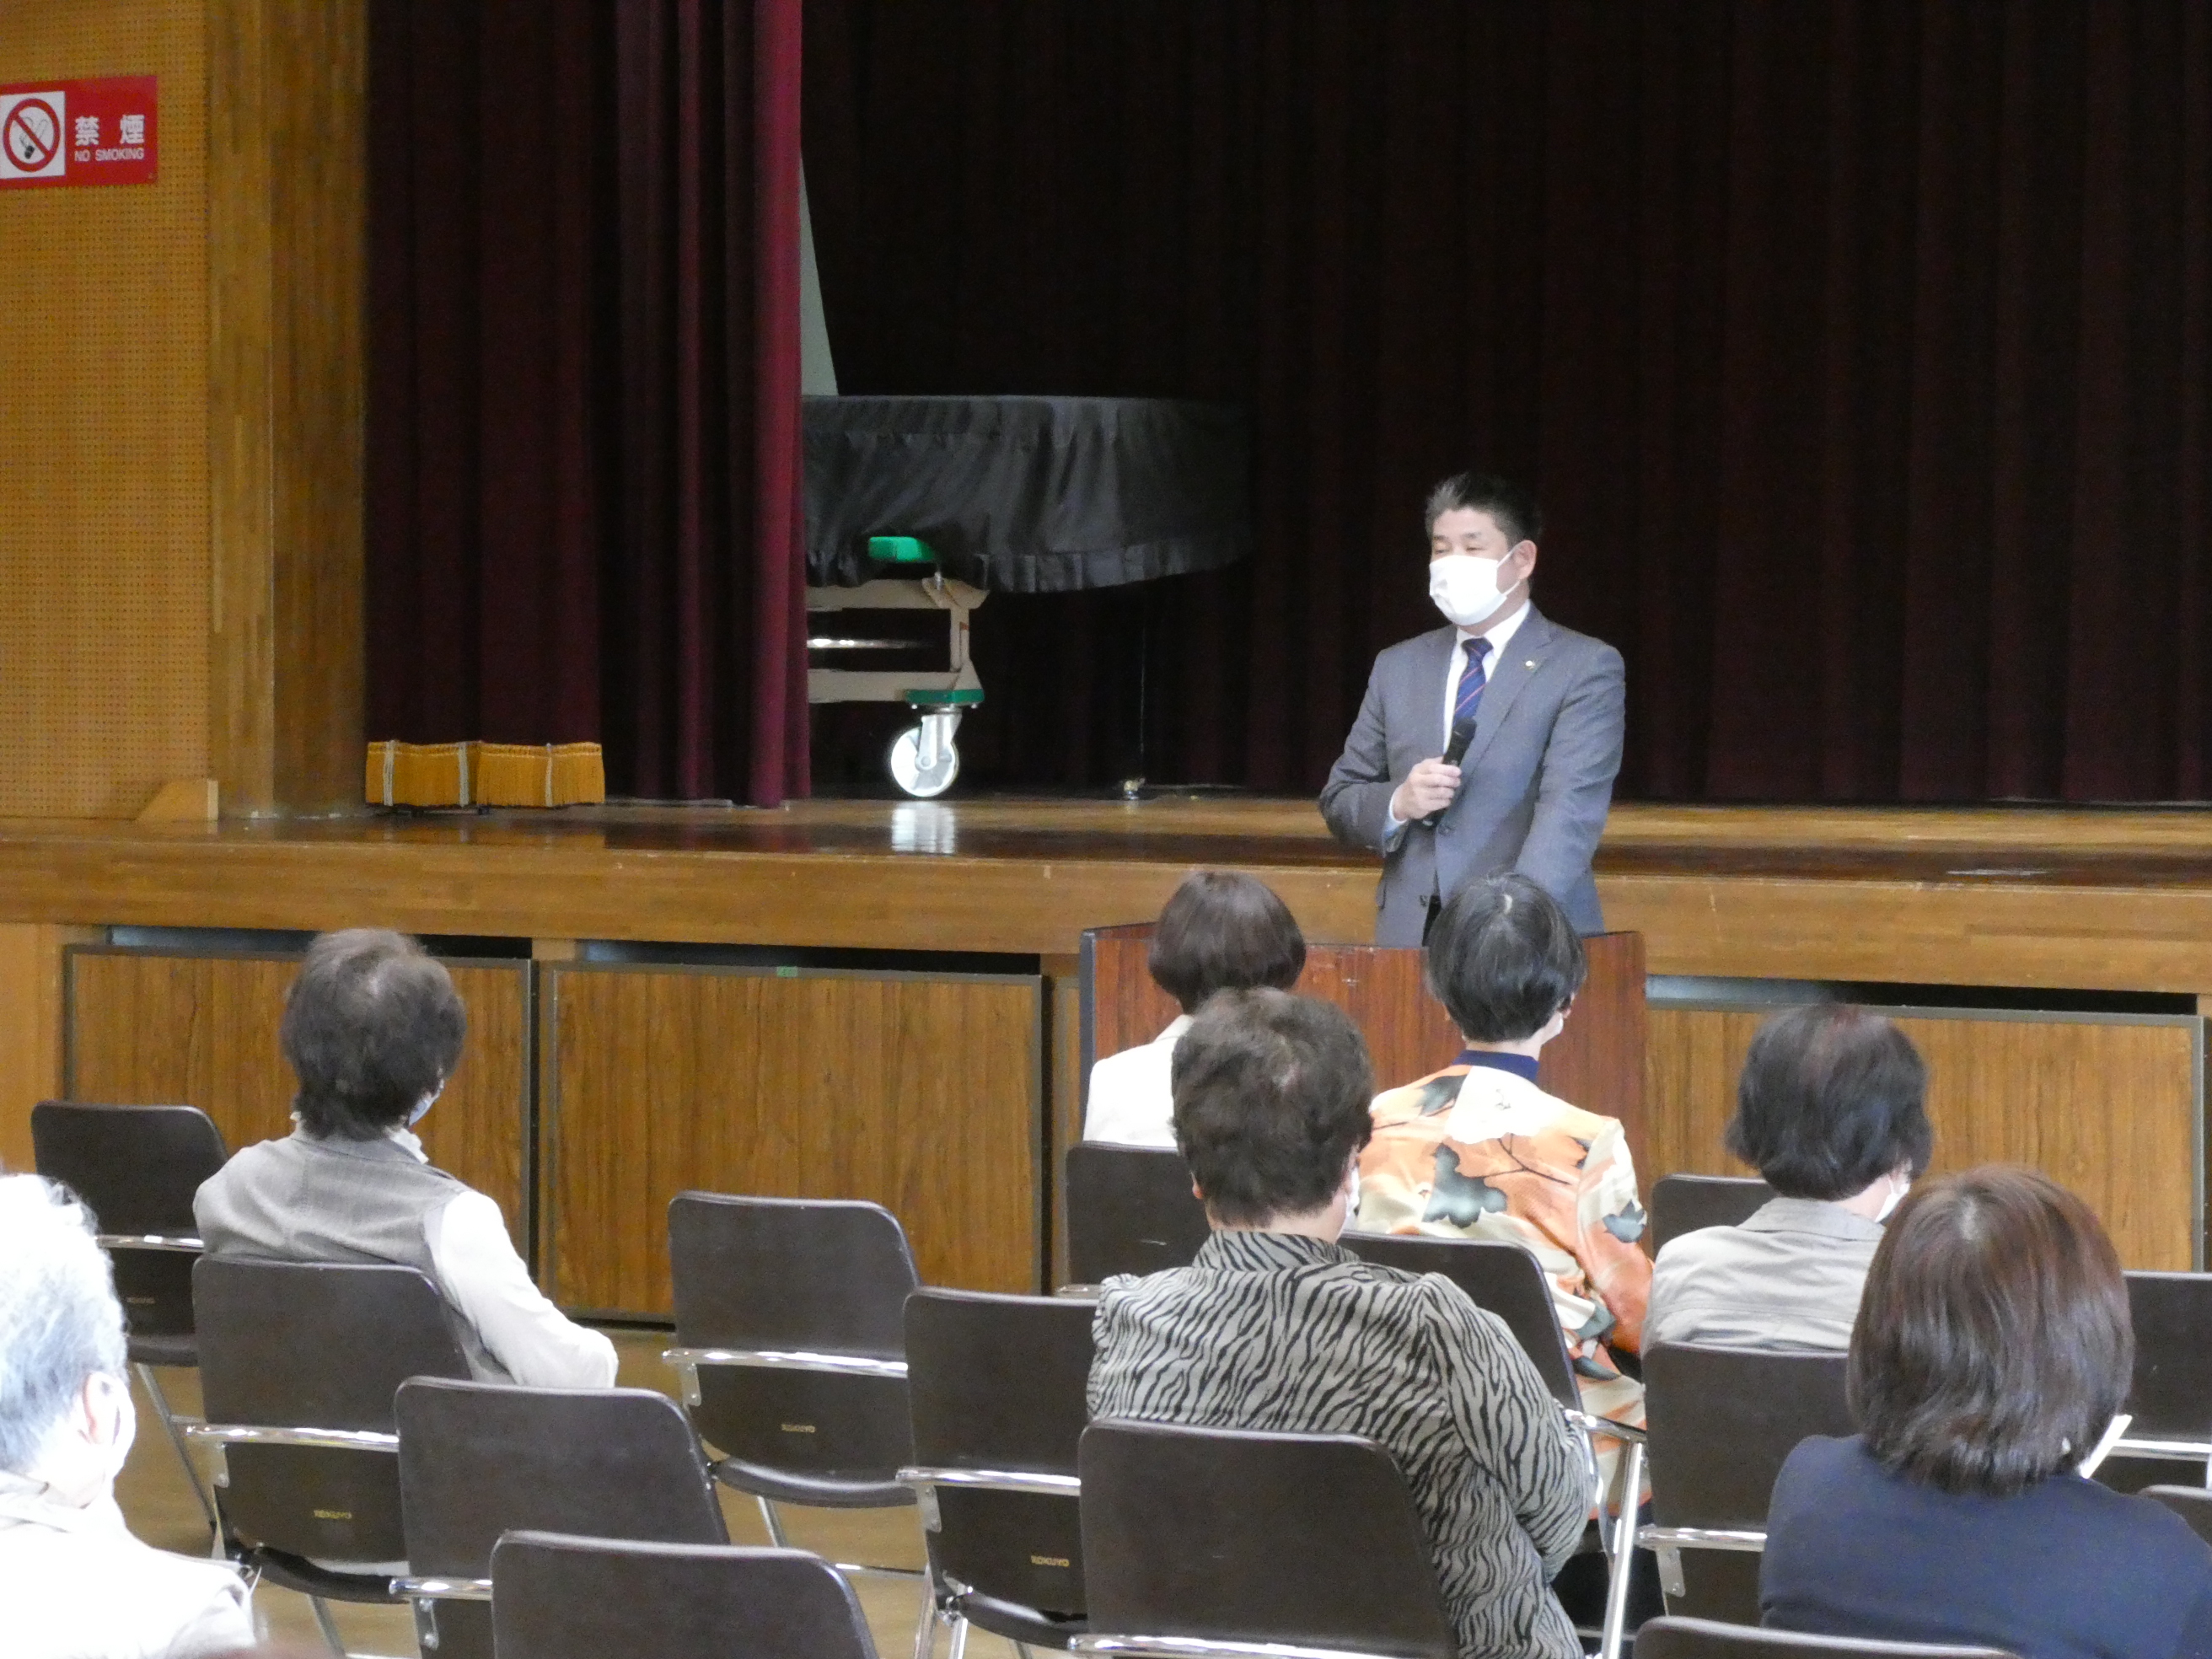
point(604, 1079)
point(2117, 899)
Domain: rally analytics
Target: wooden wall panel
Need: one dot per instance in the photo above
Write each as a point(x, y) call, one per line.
point(287, 238)
point(921, 1094)
point(2108, 1108)
point(146, 1027)
point(103, 436)
point(1597, 1061)
point(31, 959)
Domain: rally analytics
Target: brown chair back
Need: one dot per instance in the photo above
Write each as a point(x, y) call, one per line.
point(1225, 1535)
point(827, 1276)
point(557, 1597)
point(1130, 1210)
point(137, 1169)
point(1684, 1203)
point(1722, 1421)
point(478, 1459)
point(998, 1383)
point(315, 1345)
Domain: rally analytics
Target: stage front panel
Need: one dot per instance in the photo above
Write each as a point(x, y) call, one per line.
point(150, 1028)
point(2105, 1104)
point(923, 1093)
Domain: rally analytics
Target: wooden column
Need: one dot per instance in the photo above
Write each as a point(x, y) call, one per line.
point(287, 233)
point(31, 1046)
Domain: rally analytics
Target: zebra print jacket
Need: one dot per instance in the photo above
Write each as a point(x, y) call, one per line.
point(1274, 1331)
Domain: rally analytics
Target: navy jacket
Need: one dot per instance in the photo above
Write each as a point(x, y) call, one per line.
point(2067, 1570)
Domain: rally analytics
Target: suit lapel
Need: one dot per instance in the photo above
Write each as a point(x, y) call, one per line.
point(1524, 660)
point(1430, 666)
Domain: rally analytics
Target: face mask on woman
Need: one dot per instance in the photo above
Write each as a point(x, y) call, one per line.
point(1898, 1189)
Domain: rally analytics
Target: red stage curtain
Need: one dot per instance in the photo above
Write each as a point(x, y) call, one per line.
point(584, 385)
point(1862, 351)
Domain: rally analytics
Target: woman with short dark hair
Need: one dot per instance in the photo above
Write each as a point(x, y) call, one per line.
point(1993, 1349)
point(371, 1028)
point(1275, 1326)
point(1221, 930)
point(1831, 1110)
point(1481, 1150)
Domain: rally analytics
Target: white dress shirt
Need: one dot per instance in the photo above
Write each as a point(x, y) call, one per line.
point(487, 1282)
point(1132, 1093)
point(1500, 634)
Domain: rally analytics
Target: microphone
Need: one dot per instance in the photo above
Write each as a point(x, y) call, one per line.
point(1455, 751)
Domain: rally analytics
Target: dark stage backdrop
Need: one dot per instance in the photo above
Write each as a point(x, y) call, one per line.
point(1860, 351)
point(583, 445)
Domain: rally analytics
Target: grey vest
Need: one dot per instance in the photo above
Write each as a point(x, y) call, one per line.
point(305, 1199)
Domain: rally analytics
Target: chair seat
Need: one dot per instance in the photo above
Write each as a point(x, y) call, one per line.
point(295, 1572)
point(1032, 1627)
point(176, 1348)
point(781, 1487)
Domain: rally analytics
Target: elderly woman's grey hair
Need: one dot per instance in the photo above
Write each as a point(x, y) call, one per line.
point(59, 1320)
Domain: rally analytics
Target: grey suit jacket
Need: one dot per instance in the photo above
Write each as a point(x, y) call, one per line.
point(1536, 781)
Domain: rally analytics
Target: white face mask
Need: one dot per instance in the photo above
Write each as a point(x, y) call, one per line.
point(1467, 588)
point(1897, 1192)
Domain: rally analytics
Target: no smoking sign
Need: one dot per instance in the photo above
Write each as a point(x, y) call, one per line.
point(78, 132)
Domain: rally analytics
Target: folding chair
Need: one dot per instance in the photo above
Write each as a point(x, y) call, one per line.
point(299, 1364)
point(587, 1598)
point(2192, 1503)
point(137, 1169)
point(478, 1459)
point(2169, 1397)
point(998, 1385)
point(1210, 1543)
point(1706, 1638)
point(1507, 1280)
point(1684, 1203)
point(791, 1345)
point(1130, 1210)
point(1721, 1421)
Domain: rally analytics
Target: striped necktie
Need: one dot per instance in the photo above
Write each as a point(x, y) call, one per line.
point(1471, 681)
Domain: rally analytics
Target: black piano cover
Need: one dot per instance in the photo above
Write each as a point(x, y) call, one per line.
point(1027, 495)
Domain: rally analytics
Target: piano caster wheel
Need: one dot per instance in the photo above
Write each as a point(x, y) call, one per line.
point(923, 761)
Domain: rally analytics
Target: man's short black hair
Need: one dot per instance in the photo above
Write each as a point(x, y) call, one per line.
point(371, 1025)
point(1513, 508)
point(1271, 1099)
point(1503, 959)
point(1831, 1100)
point(1225, 931)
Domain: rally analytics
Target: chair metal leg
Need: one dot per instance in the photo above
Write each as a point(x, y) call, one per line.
point(959, 1650)
point(1624, 1552)
point(775, 1526)
point(183, 1453)
point(329, 1625)
point(925, 1631)
point(1022, 1651)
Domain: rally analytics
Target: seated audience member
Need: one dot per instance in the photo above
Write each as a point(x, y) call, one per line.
point(1992, 1350)
point(1275, 1326)
point(373, 1027)
point(1829, 1109)
point(74, 1583)
point(1478, 1151)
point(1220, 932)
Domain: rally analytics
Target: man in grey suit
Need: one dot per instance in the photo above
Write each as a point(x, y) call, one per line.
point(1488, 745)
